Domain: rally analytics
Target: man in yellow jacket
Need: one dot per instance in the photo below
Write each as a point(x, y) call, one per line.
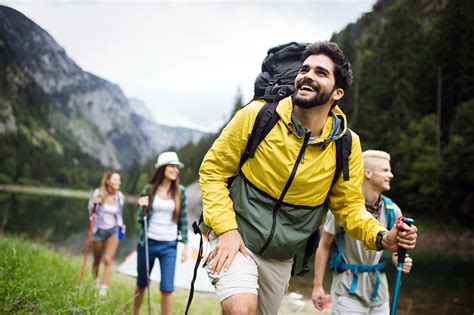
point(277, 198)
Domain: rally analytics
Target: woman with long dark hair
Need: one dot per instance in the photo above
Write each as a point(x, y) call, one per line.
point(164, 202)
point(106, 205)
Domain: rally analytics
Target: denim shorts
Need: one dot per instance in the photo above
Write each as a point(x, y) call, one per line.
point(165, 251)
point(102, 235)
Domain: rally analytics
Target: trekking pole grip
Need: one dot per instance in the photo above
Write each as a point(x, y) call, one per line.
point(94, 206)
point(143, 209)
point(402, 252)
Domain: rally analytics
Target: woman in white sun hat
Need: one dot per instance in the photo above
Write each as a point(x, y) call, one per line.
point(164, 202)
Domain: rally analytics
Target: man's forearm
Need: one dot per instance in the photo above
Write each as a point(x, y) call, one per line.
point(320, 262)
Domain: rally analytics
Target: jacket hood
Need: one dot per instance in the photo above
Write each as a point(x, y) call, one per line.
point(334, 128)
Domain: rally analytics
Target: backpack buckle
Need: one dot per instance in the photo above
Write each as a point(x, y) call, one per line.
point(304, 270)
point(196, 229)
point(281, 92)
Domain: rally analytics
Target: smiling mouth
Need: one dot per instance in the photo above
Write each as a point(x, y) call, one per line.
point(307, 88)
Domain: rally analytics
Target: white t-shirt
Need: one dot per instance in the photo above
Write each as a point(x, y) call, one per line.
point(353, 252)
point(162, 227)
point(108, 216)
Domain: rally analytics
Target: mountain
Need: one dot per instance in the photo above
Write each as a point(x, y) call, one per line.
point(49, 99)
point(159, 136)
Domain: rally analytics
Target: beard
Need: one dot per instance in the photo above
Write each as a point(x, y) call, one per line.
point(317, 100)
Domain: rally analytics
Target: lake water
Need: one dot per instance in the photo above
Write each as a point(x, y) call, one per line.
point(440, 283)
point(58, 221)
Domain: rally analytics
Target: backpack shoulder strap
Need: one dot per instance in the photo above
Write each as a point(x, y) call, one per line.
point(267, 117)
point(343, 151)
point(390, 211)
point(310, 249)
point(336, 258)
point(121, 199)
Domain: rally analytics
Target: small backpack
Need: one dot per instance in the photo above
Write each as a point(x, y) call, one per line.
point(337, 263)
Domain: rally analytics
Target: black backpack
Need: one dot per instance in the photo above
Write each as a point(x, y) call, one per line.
point(279, 70)
point(275, 82)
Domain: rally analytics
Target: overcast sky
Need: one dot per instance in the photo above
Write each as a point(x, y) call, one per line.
point(185, 59)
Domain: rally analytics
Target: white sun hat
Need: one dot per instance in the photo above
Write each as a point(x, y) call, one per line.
point(168, 158)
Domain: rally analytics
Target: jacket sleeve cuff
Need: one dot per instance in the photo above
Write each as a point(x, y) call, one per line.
point(222, 228)
point(372, 241)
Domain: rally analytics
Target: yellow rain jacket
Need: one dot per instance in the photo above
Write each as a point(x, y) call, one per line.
point(250, 204)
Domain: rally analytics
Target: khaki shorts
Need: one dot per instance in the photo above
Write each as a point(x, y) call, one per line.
point(265, 277)
point(350, 305)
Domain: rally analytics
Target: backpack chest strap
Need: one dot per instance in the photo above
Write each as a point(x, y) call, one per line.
point(364, 268)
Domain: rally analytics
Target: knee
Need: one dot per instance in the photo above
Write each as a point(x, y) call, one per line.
point(239, 310)
point(108, 261)
point(139, 291)
point(240, 305)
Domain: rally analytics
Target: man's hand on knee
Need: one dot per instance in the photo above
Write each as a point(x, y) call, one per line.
point(227, 246)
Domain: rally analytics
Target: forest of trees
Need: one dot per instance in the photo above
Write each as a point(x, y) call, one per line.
point(413, 96)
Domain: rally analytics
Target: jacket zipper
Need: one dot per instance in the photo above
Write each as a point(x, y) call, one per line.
point(285, 190)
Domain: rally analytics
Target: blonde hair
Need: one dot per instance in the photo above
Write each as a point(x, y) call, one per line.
point(370, 155)
point(104, 188)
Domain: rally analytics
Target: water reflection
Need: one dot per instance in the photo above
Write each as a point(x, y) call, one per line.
point(59, 221)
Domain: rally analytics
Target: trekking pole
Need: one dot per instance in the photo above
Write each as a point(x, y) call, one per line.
point(147, 257)
point(402, 252)
point(89, 234)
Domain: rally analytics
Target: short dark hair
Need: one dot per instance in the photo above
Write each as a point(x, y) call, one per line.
point(342, 66)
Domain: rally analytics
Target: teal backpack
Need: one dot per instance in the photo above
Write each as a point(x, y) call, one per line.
point(337, 263)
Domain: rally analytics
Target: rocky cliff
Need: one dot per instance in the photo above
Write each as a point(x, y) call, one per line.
point(44, 88)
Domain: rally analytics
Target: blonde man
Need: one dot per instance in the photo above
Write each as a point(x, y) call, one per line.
point(359, 284)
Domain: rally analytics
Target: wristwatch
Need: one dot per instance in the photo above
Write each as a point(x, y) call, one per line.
point(378, 241)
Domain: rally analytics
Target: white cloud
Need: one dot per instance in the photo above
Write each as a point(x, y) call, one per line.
point(185, 59)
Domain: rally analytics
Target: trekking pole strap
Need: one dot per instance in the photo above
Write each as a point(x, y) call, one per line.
point(196, 266)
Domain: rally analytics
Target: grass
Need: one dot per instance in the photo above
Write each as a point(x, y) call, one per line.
point(36, 279)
